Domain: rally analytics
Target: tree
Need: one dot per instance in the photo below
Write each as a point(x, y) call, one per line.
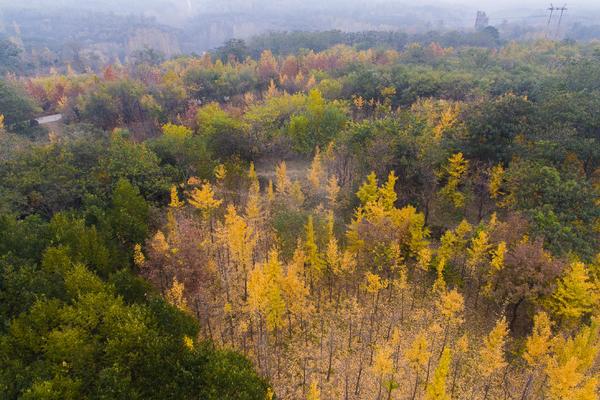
point(175, 202)
point(537, 347)
point(436, 390)
point(9, 57)
point(176, 131)
point(527, 277)
point(128, 214)
point(313, 392)
point(317, 125)
point(451, 305)
point(333, 190)
point(492, 353)
point(265, 293)
point(368, 191)
point(282, 183)
point(204, 200)
point(240, 239)
point(496, 179)
point(225, 135)
point(576, 295)
point(315, 174)
point(417, 356)
point(543, 193)
point(383, 366)
point(569, 370)
point(176, 296)
point(455, 172)
point(313, 257)
point(16, 107)
point(493, 124)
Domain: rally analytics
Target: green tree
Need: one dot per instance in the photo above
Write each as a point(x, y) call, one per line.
point(128, 214)
point(16, 106)
point(318, 124)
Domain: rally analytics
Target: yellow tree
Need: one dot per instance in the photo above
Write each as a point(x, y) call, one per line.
point(253, 203)
point(296, 195)
point(496, 180)
point(204, 200)
point(439, 286)
point(333, 191)
point(383, 367)
point(478, 258)
point(491, 355)
point(176, 131)
point(282, 182)
point(270, 192)
point(240, 240)
point(417, 356)
point(436, 390)
point(478, 252)
point(448, 119)
point(575, 295)
point(313, 258)
point(272, 90)
point(332, 252)
point(159, 244)
point(313, 391)
point(497, 264)
point(537, 347)
point(175, 295)
point(252, 175)
point(138, 257)
point(450, 305)
point(374, 284)
point(175, 202)
point(220, 172)
point(455, 171)
point(295, 291)
point(368, 191)
point(570, 370)
point(315, 173)
point(387, 192)
point(265, 291)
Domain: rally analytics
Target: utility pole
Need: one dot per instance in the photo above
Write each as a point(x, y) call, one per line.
point(549, 19)
point(562, 10)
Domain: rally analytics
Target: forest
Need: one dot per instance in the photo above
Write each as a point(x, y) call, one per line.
point(305, 216)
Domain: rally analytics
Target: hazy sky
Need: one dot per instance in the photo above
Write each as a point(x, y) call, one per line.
point(178, 10)
point(490, 4)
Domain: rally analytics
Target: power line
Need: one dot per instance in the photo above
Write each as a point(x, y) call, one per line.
point(562, 10)
point(549, 19)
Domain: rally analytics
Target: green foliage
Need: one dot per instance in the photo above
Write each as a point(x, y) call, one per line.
point(183, 157)
point(224, 134)
point(128, 214)
point(16, 106)
point(493, 125)
point(50, 178)
point(318, 125)
point(114, 104)
point(136, 163)
point(9, 57)
point(548, 196)
point(88, 343)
